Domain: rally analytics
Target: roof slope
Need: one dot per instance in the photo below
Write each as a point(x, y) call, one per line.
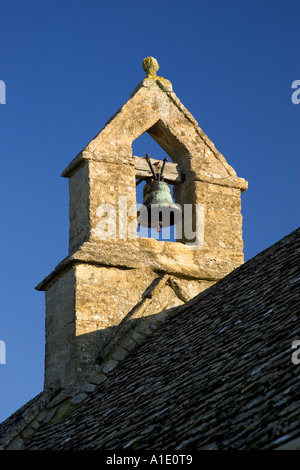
point(217, 375)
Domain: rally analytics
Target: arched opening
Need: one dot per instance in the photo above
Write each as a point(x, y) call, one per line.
point(140, 147)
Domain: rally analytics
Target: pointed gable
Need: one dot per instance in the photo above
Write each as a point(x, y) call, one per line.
point(154, 108)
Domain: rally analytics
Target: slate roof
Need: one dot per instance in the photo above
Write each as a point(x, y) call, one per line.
point(217, 375)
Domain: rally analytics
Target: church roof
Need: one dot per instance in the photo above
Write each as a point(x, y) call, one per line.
point(217, 374)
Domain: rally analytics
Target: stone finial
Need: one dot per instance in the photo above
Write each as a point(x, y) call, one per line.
point(150, 66)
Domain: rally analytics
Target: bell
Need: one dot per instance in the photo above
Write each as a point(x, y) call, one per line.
point(158, 208)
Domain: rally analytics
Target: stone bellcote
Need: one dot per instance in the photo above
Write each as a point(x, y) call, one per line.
point(108, 273)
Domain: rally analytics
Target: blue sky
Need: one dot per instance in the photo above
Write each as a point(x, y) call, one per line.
point(69, 65)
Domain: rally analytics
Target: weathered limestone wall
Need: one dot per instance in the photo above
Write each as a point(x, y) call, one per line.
point(88, 305)
point(60, 329)
point(104, 296)
point(112, 182)
point(98, 182)
point(222, 218)
point(79, 213)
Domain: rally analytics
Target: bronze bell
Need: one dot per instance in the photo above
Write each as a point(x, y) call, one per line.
point(158, 208)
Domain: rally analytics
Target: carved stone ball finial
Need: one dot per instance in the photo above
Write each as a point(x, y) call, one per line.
point(150, 66)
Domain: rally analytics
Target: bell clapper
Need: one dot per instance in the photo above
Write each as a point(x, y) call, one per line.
point(162, 169)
